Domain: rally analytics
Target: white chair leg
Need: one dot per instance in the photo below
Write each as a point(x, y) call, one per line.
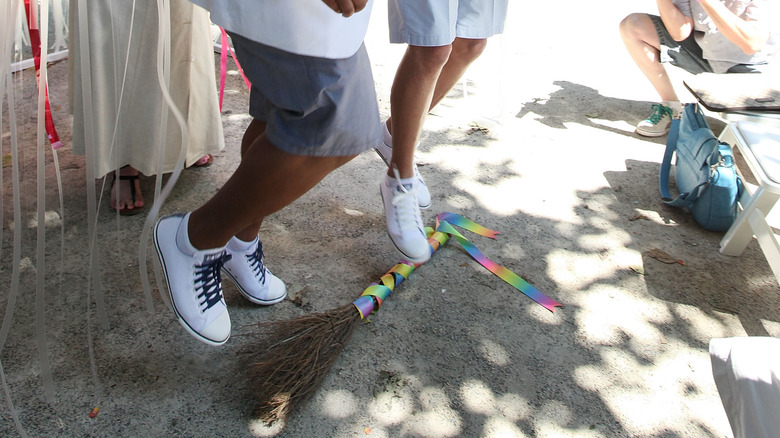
point(740, 234)
point(767, 240)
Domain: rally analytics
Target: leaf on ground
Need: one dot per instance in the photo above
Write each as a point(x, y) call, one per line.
point(638, 269)
point(662, 256)
point(638, 216)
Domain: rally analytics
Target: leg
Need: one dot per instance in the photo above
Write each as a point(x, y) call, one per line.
point(641, 39)
point(410, 99)
point(252, 134)
point(464, 53)
point(266, 181)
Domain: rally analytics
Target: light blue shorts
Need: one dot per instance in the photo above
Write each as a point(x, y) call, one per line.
point(311, 106)
point(438, 22)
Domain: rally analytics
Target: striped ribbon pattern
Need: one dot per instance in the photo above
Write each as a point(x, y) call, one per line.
point(375, 294)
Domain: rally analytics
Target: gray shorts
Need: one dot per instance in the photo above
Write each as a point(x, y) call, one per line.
point(687, 54)
point(312, 106)
point(432, 23)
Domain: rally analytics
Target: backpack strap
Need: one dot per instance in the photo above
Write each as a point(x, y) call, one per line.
point(684, 200)
point(666, 164)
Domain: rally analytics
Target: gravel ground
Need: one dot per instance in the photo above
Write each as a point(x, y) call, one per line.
point(538, 144)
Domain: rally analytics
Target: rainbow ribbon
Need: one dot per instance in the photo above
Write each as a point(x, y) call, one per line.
point(373, 296)
point(443, 224)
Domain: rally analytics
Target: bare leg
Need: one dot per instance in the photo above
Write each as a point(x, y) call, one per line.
point(641, 40)
point(463, 53)
point(410, 98)
point(266, 181)
point(253, 133)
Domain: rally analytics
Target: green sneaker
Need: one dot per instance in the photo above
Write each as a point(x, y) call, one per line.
point(658, 123)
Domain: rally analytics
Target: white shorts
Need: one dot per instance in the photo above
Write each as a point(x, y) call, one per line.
point(439, 22)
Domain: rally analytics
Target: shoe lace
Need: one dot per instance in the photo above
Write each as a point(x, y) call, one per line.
point(209, 280)
point(406, 206)
point(255, 259)
point(659, 111)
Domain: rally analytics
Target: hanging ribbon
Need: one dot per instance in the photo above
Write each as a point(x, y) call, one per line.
point(373, 296)
point(35, 44)
point(223, 52)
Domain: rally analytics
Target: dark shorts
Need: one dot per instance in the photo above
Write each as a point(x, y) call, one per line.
point(687, 54)
point(312, 106)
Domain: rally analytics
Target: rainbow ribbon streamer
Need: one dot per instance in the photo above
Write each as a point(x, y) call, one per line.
point(373, 296)
point(443, 224)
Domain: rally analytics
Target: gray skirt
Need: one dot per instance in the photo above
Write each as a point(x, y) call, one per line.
point(312, 106)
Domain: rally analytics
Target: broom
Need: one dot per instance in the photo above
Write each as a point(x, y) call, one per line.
point(295, 355)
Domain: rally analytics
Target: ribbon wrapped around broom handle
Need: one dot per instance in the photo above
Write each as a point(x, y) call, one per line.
point(372, 297)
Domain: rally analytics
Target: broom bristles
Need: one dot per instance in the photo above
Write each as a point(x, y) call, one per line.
point(293, 358)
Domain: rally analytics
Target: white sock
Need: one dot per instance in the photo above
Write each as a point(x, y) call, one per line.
point(237, 245)
point(183, 239)
point(675, 105)
point(406, 182)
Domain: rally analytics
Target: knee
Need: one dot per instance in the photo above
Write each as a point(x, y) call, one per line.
point(431, 57)
point(629, 26)
point(469, 49)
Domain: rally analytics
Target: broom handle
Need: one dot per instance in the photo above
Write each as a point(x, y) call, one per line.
point(373, 296)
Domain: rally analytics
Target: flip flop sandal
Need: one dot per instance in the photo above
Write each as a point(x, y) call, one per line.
point(205, 161)
point(128, 211)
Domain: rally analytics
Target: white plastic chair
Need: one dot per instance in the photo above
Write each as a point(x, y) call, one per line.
point(759, 144)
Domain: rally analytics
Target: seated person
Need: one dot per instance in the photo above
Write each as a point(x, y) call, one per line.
point(720, 36)
point(747, 373)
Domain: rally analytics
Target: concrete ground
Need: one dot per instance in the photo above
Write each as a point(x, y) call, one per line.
point(538, 145)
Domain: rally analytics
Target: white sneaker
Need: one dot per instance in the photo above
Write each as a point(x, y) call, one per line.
point(404, 224)
point(248, 272)
point(385, 151)
point(657, 124)
point(194, 282)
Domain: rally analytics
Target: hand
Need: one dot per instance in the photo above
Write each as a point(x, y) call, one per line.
point(346, 7)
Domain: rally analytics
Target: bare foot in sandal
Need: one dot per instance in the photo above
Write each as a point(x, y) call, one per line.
point(130, 199)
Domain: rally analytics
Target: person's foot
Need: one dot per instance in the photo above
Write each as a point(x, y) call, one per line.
point(385, 151)
point(194, 281)
point(657, 124)
point(402, 214)
point(204, 161)
point(130, 201)
point(246, 269)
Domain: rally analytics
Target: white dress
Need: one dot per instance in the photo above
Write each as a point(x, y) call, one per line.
point(136, 136)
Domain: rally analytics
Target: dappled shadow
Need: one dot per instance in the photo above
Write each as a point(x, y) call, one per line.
point(454, 351)
point(705, 278)
point(576, 103)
